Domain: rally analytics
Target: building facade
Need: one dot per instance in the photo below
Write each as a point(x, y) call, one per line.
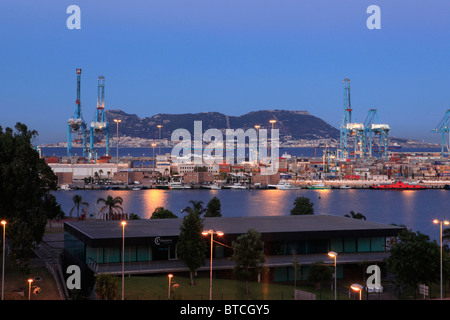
point(151, 244)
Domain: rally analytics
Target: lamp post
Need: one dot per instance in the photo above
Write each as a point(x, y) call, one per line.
point(170, 278)
point(117, 121)
point(257, 142)
point(272, 122)
point(154, 160)
point(357, 287)
point(334, 255)
point(159, 149)
point(29, 288)
point(205, 233)
point(3, 253)
point(436, 221)
point(123, 223)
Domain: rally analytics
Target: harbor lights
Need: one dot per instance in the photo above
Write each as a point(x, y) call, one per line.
point(436, 221)
point(117, 121)
point(159, 128)
point(357, 287)
point(123, 223)
point(272, 122)
point(334, 255)
point(205, 233)
point(3, 253)
point(257, 142)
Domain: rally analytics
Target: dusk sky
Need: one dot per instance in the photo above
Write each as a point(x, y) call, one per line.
point(180, 56)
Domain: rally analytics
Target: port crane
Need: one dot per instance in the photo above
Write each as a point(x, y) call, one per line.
point(349, 128)
point(443, 127)
point(99, 125)
point(76, 125)
point(372, 126)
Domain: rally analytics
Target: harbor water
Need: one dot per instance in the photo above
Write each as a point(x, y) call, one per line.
point(415, 209)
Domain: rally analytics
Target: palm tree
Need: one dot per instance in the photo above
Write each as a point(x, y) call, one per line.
point(196, 206)
point(78, 201)
point(355, 215)
point(112, 204)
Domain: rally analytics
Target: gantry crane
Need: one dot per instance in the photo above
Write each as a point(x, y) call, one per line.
point(76, 124)
point(373, 126)
point(443, 127)
point(100, 124)
point(348, 127)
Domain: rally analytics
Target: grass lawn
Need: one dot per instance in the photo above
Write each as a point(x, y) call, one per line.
point(16, 284)
point(157, 288)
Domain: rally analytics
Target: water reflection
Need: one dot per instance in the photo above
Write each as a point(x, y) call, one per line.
point(414, 209)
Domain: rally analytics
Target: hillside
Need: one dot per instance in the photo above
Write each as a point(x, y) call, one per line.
point(296, 124)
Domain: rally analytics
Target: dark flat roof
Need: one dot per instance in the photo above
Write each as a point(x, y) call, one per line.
point(96, 232)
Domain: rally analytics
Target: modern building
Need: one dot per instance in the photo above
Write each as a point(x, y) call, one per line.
point(151, 244)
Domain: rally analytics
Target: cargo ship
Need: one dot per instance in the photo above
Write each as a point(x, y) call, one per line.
point(399, 185)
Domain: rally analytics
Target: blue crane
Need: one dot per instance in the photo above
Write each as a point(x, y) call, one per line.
point(100, 124)
point(76, 124)
point(372, 126)
point(346, 119)
point(443, 128)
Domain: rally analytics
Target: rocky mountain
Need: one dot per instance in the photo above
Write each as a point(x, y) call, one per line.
point(296, 124)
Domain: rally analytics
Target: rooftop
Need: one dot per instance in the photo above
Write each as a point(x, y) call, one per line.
point(325, 225)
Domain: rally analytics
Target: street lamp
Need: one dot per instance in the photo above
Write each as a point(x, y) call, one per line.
point(170, 278)
point(257, 142)
point(357, 287)
point(159, 149)
point(117, 121)
point(205, 233)
point(436, 221)
point(29, 288)
point(123, 223)
point(334, 255)
point(272, 122)
point(3, 253)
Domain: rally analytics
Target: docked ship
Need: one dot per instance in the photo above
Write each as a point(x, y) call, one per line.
point(177, 185)
point(319, 186)
point(394, 146)
point(283, 186)
point(399, 185)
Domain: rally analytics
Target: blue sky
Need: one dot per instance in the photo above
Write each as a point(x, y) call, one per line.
point(177, 56)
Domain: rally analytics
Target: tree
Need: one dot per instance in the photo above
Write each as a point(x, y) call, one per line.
point(318, 273)
point(302, 206)
point(106, 287)
point(112, 204)
point(78, 203)
point(51, 208)
point(248, 252)
point(25, 185)
point(354, 215)
point(162, 213)
point(197, 206)
point(415, 260)
point(213, 208)
point(191, 246)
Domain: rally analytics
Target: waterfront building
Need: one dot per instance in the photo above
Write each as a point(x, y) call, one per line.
point(151, 244)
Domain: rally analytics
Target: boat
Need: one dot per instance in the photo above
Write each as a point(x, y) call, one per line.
point(283, 186)
point(399, 185)
point(318, 186)
point(236, 186)
point(137, 188)
point(213, 186)
point(176, 185)
point(344, 186)
point(394, 146)
point(65, 187)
